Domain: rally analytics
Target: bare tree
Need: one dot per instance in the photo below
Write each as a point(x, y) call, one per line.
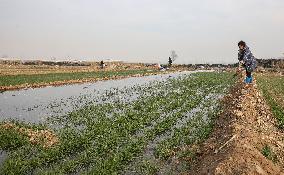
point(173, 55)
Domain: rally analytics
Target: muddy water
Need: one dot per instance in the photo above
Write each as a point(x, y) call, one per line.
point(3, 156)
point(36, 105)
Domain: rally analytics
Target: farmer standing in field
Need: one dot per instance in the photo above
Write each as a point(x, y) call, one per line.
point(247, 60)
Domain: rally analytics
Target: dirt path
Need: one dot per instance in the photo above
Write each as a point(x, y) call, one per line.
point(242, 131)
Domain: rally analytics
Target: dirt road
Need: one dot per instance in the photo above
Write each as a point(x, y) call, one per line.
point(244, 133)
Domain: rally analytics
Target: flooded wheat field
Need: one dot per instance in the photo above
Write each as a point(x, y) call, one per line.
point(36, 105)
point(126, 126)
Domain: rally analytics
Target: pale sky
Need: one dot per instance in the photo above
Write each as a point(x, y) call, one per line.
point(204, 31)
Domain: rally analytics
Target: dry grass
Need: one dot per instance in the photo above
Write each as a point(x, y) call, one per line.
point(46, 138)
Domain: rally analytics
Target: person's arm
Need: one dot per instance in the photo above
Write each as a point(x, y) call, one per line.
point(241, 62)
point(240, 55)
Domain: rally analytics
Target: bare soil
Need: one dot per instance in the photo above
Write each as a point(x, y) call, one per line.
point(241, 132)
point(20, 69)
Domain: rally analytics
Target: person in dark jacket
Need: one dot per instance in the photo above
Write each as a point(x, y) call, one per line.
point(170, 61)
point(102, 64)
point(247, 60)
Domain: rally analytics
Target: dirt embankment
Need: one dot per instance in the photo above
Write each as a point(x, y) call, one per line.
point(243, 132)
point(22, 69)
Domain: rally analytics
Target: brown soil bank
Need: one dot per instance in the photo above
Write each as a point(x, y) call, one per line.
point(14, 68)
point(243, 134)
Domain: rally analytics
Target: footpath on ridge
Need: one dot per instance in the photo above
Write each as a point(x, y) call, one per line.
point(244, 132)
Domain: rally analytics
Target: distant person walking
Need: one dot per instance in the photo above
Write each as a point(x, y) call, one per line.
point(102, 64)
point(170, 61)
point(247, 60)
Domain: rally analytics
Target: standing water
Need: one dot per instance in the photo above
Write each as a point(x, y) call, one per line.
point(36, 105)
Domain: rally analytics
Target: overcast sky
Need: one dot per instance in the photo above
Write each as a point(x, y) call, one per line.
point(141, 30)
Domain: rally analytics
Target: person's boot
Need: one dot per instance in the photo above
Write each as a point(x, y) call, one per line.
point(247, 80)
point(250, 79)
